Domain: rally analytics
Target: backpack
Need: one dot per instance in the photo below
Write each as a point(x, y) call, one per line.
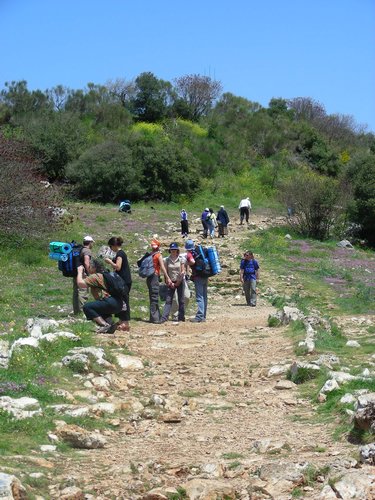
point(115, 284)
point(146, 265)
point(202, 264)
point(69, 267)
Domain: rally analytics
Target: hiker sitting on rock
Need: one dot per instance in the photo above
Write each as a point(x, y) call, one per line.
point(101, 309)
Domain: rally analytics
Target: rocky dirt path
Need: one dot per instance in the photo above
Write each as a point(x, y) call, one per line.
point(204, 409)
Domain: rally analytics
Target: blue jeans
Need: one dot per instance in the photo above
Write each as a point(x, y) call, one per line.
point(201, 296)
point(103, 307)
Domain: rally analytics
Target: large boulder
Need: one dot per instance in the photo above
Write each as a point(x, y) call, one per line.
point(11, 488)
point(291, 314)
point(367, 454)
point(364, 417)
point(356, 484)
point(130, 363)
point(78, 437)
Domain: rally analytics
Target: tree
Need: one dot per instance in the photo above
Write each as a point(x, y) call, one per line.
point(122, 90)
point(106, 173)
point(198, 93)
point(152, 99)
point(315, 200)
point(361, 173)
point(20, 101)
point(27, 203)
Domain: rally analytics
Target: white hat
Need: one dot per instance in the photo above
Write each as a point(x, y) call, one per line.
point(88, 238)
point(206, 209)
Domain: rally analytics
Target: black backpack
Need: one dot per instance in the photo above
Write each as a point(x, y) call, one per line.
point(115, 284)
point(69, 266)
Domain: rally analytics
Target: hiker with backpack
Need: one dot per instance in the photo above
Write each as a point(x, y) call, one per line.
point(223, 221)
point(184, 223)
point(204, 219)
point(120, 265)
point(80, 295)
point(150, 267)
point(107, 289)
point(200, 282)
point(249, 274)
point(175, 267)
point(212, 223)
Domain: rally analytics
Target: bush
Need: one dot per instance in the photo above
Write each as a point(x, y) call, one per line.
point(315, 203)
point(106, 173)
point(362, 174)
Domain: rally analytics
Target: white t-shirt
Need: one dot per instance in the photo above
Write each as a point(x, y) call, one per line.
point(245, 203)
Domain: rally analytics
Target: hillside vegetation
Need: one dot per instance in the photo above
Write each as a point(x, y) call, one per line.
point(150, 139)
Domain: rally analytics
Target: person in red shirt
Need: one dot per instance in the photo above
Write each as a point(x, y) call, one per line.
point(153, 281)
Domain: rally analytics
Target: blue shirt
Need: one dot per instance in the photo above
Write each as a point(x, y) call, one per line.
point(249, 269)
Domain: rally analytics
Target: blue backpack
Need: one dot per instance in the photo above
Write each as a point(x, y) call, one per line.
point(146, 265)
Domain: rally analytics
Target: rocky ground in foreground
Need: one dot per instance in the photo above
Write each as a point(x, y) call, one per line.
point(199, 411)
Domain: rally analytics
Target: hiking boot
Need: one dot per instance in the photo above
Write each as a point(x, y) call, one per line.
point(107, 329)
point(197, 320)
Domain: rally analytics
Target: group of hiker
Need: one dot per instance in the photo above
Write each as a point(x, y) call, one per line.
point(111, 289)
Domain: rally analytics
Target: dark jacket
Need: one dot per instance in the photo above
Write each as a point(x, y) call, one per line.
point(222, 217)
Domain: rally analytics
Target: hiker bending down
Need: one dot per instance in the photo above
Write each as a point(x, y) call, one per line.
point(153, 281)
point(244, 208)
point(249, 274)
point(80, 295)
point(175, 267)
point(101, 309)
point(120, 265)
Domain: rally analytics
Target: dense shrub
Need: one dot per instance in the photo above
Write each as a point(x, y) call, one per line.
point(361, 172)
point(315, 202)
point(105, 173)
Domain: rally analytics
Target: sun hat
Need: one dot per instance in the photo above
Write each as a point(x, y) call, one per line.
point(206, 209)
point(88, 238)
point(189, 245)
point(174, 246)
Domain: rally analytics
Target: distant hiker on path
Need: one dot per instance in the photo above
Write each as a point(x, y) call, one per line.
point(101, 309)
point(223, 221)
point(175, 267)
point(204, 219)
point(249, 274)
point(80, 295)
point(212, 223)
point(120, 264)
point(184, 223)
point(244, 208)
point(200, 283)
point(153, 281)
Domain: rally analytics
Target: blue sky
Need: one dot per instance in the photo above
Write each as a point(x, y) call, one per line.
point(260, 49)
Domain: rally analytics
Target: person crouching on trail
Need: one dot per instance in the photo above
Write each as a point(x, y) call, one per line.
point(249, 274)
point(153, 281)
point(101, 309)
point(175, 267)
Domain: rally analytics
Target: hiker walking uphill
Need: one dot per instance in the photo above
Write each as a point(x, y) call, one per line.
point(184, 223)
point(211, 223)
point(108, 290)
point(120, 265)
point(249, 274)
point(204, 219)
point(155, 264)
point(244, 208)
point(175, 267)
point(80, 295)
point(223, 221)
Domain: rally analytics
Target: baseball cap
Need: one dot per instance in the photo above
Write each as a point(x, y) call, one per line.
point(88, 238)
point(206, 209)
